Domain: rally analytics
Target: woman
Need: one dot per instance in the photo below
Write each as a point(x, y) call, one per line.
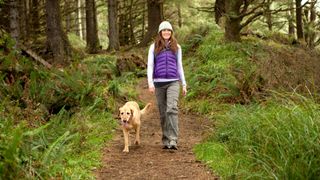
point(165, 70)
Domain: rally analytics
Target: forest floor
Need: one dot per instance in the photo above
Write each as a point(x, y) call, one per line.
point(148, 160)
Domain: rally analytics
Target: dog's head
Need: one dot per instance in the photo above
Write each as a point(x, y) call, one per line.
point(125, 115)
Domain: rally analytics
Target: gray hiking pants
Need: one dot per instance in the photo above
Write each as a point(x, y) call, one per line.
point(167, 98)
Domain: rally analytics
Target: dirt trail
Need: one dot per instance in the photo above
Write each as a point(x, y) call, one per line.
point(149, 161)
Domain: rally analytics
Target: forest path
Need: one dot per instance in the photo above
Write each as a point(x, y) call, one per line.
point(148, 160)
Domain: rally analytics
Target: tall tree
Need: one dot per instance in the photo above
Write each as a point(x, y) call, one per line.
point(291, 16)
point(310, 13)
point(57, 41)
point(233, 27)
point(79, 27)
point(67, 15)
point(268, 14)
point(155, 16)
point(35, 18)
point(113, 25)
point(299, 23)
point(179, 14)
point(236, 10)
point(219, 10)
point(83, 19)
point(14, 21)
point(92, 27)
point(23, 19)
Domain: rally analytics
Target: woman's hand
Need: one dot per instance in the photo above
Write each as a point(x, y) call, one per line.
point(151, 90)
point(184, 90)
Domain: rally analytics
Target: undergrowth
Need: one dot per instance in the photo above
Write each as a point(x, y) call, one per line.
point(275, 140)
point(258, 134)
point(54, 123)
point(223, 71)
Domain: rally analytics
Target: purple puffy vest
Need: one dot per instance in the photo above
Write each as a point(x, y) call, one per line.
point(165, 65)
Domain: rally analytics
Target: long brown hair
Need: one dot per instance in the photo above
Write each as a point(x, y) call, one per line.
point(160, 43)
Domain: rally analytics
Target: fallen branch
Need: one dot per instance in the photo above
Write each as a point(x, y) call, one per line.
point(35, 56)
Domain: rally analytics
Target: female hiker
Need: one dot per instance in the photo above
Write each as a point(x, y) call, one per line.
point(165, 73)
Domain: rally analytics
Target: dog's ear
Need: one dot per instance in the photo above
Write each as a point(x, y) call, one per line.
point(131, 111)
point(119, 113)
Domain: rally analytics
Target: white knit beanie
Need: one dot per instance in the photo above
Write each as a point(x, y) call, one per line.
point(165, 25)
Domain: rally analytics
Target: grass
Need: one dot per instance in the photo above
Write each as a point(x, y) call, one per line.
point(255, 137)
point(222, 71)
point(277, 140)
point(67, 146)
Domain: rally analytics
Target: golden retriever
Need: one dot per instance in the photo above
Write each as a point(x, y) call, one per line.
point(130, 115)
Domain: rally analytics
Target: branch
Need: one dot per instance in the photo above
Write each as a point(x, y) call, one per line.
point(244, 13)
point(35, 56)
point(250, 19)
point(209, 9)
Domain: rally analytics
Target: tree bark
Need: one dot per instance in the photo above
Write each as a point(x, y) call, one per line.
point(313, 15)
point(67, 18)
point(131, 24)
point(113, 25)
point(299, 22)
point(233, 20)
point(91, 26)
point(179, 15)
point(57, 40)
point(219, 10)
point(155, 16)
point(268, 14)
point(79, 28)
point(291, 18)
point(23, 20)
point(14, 21)
point(35, 18)
point(83, 19)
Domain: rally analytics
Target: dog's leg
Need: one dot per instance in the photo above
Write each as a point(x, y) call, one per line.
point(126, 140)
point(137, 141)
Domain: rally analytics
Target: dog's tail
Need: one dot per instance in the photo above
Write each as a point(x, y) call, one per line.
point(145, 109)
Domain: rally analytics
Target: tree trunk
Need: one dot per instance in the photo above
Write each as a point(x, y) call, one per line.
point(143, 28)
point(155, 16)
point(268, 14)
point(299, 19)
point(23, 20)
point(78, 19)
point(124, 37)
point(14, 21)
point(179, 15)
point(57, 41)
point(91, 26)
point(313, 16)
point(67, 10)
point(113, 25)
point(291, 18)
point(35, 18)
point(83, 19)
point(131, 24)
point(219, 10)
point(233, 20)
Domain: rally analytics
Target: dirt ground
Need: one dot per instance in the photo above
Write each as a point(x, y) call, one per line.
point(148, 160)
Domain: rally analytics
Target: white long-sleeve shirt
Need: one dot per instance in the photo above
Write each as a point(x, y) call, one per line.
point(150, 68)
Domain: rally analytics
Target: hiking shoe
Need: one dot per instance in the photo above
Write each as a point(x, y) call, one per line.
point(166, 147)
point(174, 147)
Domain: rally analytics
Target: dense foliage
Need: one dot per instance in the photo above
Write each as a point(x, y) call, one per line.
point(53, 123)
point(257, 133)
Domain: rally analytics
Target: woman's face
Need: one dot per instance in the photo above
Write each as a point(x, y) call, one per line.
point(166, 34)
